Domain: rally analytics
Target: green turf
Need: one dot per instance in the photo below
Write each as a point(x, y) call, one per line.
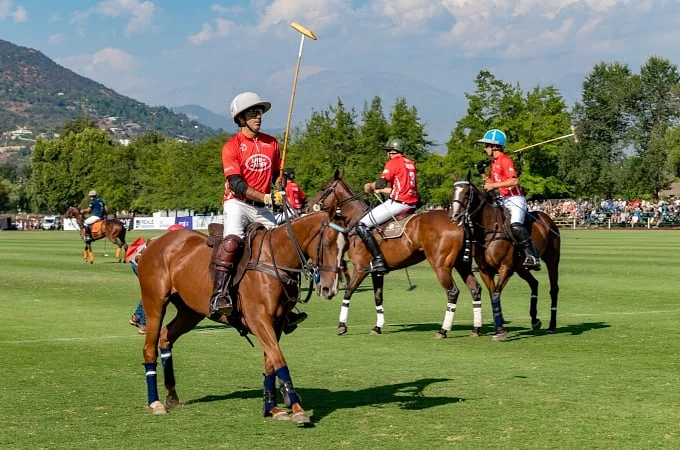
point(71, 373)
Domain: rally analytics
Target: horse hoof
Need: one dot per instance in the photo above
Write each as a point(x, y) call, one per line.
point(376, 331)
point(299, 415)
point(536, 325)
point(172, 402)
point(499, 336)
point(279, 414)
point(342, 329)
point(474, 334)
point(157, 408)
point(440, 335)
point(550, 331)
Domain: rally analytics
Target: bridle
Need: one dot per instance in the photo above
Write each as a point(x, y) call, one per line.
point(319, 205)
point(467, 204)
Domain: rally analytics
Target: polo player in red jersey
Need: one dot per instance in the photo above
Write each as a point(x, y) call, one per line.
point(400, 174)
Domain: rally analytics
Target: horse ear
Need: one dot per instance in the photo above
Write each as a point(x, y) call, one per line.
point(454, 178)
point(469, 175)
point(336, 174)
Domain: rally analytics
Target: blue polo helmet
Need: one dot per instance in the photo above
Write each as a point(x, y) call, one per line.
point(496, 137)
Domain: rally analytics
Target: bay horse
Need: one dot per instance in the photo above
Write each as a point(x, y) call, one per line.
point(111, 229)
point(174, 268)
point(495, 253)
point(428, 235)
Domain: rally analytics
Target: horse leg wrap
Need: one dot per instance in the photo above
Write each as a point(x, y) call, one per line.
point(269, 394)
point(290, 397)
point(168, 369)
point(497, 312)
point(344, 311)
point(448, 317)
point(380, 316)
point(151, 387)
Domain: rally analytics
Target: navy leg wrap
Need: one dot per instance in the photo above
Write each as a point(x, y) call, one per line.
point(497, 313)
point(289, 395)
point(269, 393)
point(151, 388)
point(168, 369)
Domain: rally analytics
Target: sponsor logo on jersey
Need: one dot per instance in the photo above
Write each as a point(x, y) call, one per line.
point(243, 147)
point(258, 163)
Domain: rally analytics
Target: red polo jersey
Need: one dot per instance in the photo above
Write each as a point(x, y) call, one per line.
point(294, 195)
point(400, 172)
point(256, 160)
point(502, 169)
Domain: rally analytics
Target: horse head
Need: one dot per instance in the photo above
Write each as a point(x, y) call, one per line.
point(322, 239)
point(465, 198)
point(73, 213)
point(337, 197)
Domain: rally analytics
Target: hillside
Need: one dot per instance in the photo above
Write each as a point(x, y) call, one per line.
point(38, 94)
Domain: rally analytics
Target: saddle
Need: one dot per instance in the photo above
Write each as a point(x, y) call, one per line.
point(392, 229)
point(507, 230)
point(215, 231)
point(96, 227)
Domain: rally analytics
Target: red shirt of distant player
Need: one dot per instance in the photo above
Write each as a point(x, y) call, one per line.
point(295, 195)
point(502, 169)
point(254, 159)
point(400, 172)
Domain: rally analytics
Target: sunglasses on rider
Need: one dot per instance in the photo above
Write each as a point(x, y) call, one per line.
point(254, 111)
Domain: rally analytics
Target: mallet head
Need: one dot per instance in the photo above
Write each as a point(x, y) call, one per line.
point(302, 30)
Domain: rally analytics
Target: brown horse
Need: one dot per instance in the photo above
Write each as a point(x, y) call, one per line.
point(428, 236)
point(111, 229)
point(495, 253)
point(175, 268)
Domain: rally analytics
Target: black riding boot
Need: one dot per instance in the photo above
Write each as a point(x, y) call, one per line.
point(531, 260)
point(226, 258)
point(88, 233)
point(378, 264)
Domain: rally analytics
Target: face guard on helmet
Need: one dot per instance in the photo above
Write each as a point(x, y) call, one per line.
point(289, 173)
point(394, 144)
point(244, 101)
point(494, 137)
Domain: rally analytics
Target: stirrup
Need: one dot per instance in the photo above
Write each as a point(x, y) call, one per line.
point(531, 263)
point(222, 304)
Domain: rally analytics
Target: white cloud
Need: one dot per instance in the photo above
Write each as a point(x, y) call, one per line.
point(54, 17)
point(111, 61)
point(317, 15)
point(222, 28)
point(226, 9)
point(408, 15)
point(17, 14)
point(55, 39)
point(140, 14)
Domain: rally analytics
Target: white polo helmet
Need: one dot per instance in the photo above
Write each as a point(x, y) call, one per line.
point(92, 194)
point(246, 100)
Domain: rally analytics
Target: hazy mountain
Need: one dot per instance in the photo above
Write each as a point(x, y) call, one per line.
point(204, 116)
point(41, 95)
point(439, 109)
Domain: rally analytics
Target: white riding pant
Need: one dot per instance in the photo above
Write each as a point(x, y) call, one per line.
point(238, 215)
point(92, 219)
point(517, 205)
point(383, 212)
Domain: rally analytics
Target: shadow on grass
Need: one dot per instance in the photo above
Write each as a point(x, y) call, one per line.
point(574, 330)
point(323, 402)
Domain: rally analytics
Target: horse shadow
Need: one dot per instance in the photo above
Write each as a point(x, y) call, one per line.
point(408, 396)
point(435, 327)
point(573, 329)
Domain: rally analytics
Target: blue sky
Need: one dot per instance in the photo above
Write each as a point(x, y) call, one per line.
point(178, 52)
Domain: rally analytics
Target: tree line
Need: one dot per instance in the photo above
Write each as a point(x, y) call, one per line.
point(628, 145)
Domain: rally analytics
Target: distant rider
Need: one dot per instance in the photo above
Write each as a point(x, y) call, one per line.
point(98, 209)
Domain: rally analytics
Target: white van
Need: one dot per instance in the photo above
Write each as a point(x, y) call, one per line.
point(51, 223)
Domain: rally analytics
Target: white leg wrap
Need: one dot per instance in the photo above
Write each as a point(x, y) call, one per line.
point(344, 311)
point(380, 320)
point(477, 314)
point(448, 317)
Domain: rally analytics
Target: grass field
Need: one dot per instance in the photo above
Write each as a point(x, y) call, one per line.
point(71, 373)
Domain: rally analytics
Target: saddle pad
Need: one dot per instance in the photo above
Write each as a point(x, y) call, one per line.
point(392, 229)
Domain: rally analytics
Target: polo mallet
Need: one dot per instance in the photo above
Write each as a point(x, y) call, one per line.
point(573, 133)
point(411, 286)
point(304, 32)
point(106, 252)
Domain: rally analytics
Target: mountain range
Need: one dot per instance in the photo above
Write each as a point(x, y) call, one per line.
point(38, 94)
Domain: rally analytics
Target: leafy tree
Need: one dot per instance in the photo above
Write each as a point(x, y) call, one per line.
point(407, 126)
point(77, 126)
point(594, 166)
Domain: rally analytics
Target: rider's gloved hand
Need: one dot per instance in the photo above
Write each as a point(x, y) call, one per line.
point(275, 198)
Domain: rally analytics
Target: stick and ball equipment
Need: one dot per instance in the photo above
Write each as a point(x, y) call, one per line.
point(304, 32)
point(573, 133)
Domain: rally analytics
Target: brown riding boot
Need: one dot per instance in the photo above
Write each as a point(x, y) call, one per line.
point(226, 261)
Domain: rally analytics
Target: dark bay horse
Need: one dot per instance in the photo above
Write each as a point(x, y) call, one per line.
point(495, 254)
point(428, 236)
point(175, 268)
point(111, 229)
